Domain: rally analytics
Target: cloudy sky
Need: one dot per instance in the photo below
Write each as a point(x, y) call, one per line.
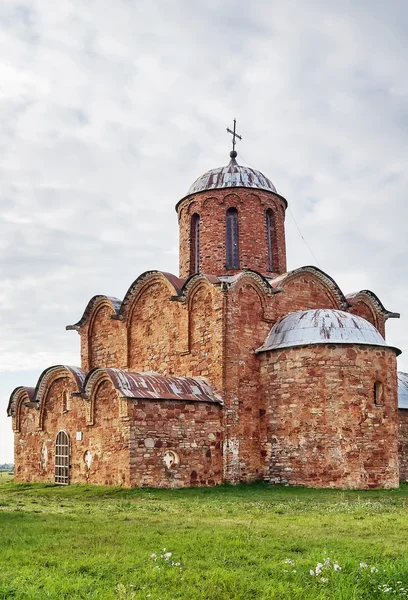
point(111, 108)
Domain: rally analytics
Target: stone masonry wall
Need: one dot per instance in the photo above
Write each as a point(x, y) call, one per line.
point(251, 205)
point(103, 340)
point(107, 441)
point(192, 430)
point(324, 427)
point(403, 444)
point(178, 338)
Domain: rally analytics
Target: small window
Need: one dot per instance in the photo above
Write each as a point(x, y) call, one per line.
point(195, 244)
point(270, 234)
point(232, 245)
point(378, 393)
point(66, 402)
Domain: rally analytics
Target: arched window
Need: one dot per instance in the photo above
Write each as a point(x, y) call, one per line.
point(232, 247)
point(270, 234)
point(195, 244)
point(378, 393)
point(61, 464)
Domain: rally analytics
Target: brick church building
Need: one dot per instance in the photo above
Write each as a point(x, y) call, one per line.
point(233, 371)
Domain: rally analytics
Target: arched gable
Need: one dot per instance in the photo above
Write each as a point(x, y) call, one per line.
point(105, 337)
point(94, 303)
point(145, 280)
point(74, 377)
point(152, 321)
point(99, 382)
point(21, 396)
point(306, 288)
point(366, 304)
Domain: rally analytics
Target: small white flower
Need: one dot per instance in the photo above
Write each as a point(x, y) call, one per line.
point(336, 567)
point(311, 572)
point(153, 556)
point(374, 570)
point(363, 566)
point(326, 562)
point(324, 580)
point(167, 555)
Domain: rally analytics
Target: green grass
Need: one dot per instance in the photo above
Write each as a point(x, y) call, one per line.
point(6, 476)
point(231, 542)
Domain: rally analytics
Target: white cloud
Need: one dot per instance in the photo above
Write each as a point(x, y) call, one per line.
point(111, 109)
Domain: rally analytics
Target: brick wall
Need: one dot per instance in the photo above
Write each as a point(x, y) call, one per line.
point(212, 206)
point(107, 440)
point(192, 430)
point(403, 444)
point(324, 428)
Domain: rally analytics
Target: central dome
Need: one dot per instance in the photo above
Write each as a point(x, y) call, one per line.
point(233, 175)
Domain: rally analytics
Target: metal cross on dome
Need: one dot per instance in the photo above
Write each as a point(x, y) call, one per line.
point(234, 135)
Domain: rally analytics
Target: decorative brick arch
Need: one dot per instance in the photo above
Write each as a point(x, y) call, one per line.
point(332, 290)
point(74, 375)
point(19, 397)
point(93, 382)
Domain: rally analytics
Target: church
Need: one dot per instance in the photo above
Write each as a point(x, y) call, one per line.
point(233, 371)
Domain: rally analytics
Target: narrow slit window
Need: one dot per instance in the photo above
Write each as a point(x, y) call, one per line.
point(66, 406)
point(270, 234)
point(378, 393)
point(232, 245)
point(195, 244)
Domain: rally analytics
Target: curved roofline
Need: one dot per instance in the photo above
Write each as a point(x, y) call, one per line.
point(377, 302)
point(77, 373)
point(175, 281)
point(116, 303)
point(232, 187)
point(30, 391)
point(319, 273)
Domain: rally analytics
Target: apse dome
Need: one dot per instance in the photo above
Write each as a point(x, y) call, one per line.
point(322, 326)
point(233, 175)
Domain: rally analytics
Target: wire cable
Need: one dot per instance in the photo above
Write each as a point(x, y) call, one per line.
point(293, 217)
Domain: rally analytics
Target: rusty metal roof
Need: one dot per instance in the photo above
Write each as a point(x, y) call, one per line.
point(157, 387)
point(402, 390)
point(233, 175)
point(322, 326)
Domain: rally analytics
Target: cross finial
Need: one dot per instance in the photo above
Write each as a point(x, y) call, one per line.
point(233, 154)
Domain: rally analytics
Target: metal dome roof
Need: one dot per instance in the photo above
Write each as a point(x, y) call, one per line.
point(402, 390)
point(233, 175)
point(322, 326)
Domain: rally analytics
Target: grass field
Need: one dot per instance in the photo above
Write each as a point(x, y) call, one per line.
point(224, 543)
point(6, 476)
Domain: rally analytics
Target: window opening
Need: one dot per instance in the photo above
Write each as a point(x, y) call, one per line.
point(66, 398)
point(270, 232)
point(378, 393)
point(232, 249)
point(195, 244)
point(61, 473)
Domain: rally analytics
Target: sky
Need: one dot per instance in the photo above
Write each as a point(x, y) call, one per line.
point(110, 109)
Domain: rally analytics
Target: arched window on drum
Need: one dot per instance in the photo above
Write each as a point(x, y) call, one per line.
point(270, 238)
point(232, 240)
point(195, 244)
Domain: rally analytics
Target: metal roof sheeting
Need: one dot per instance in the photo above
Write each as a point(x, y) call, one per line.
point(154, 386)
point(322, 326)
point(402, 390)
point(233, 175)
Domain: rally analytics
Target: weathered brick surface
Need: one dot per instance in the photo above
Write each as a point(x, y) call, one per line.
point(403, 444)
point(251, 205)
point(192, 430)
point(323, 426)
point(305, 416)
